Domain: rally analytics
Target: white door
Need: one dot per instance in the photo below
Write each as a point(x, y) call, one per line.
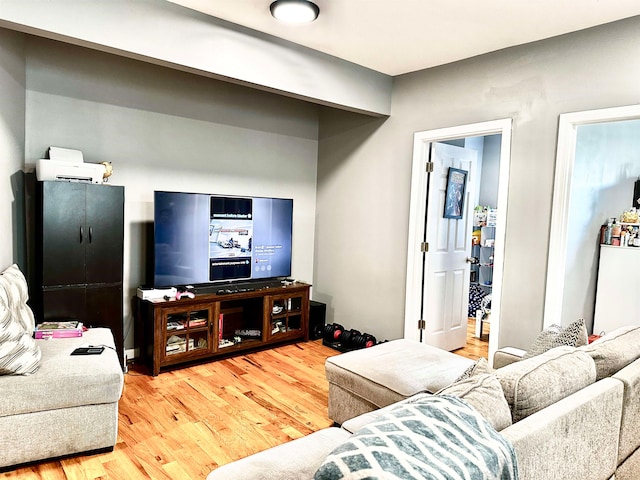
point(445, 292)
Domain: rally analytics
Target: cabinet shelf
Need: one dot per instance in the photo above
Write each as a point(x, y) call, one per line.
point(484, 270)
point(285, 315)
point(239, 347)
point(198, 329)
point(233, 323)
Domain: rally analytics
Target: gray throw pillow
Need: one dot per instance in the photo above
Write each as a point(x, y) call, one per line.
point(479, 367)
point(615, 350)
point(574, 335)
point(484, 393)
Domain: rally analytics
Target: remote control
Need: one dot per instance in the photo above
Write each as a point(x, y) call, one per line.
point(88, 351)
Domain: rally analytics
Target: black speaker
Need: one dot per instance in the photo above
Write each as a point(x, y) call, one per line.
point(317, 316)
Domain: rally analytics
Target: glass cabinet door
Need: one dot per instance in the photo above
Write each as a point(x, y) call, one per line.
point(286, 315)
point(188, 331)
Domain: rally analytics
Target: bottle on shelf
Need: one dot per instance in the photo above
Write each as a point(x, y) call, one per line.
point(608, 232)
point(621, 232)
point(616, 231)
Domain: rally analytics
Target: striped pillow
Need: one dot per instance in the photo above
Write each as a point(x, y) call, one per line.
point(14, 294)
point(575, 335)
point(19, 352)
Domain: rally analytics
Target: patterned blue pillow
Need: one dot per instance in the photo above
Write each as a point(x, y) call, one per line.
point(438, 437)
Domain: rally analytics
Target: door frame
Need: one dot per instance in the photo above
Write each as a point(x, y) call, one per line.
point(417, 211)
point(565, 160)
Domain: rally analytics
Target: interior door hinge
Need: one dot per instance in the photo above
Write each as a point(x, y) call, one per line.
point(429, 167)
point(424, 247)
point(422, 324)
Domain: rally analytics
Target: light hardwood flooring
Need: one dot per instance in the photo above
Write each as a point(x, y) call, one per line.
point(183, 423)
point(475, 347)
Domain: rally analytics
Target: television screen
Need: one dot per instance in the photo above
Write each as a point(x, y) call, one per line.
point(202, 238)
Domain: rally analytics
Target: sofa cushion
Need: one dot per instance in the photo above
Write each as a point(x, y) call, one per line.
point(533, 384)
point(484, 393)
point(64, 380)
point(615, 350)
point(293, 460)
point(423, 440)
point(574, 335)
point(576, 438)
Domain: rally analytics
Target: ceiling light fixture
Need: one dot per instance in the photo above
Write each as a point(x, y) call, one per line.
point(294, 11)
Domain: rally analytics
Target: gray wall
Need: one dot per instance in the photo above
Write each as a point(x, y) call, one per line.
point(490, 171)
point(364, 169)
point(170, 130)
point(12, 110)
point(168, 34)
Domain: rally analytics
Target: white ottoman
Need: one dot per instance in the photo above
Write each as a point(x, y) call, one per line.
point(364, 380)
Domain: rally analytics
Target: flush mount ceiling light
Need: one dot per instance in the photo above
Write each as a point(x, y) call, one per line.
point(294, 11)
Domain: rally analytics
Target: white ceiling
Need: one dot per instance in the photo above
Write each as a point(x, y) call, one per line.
point(401, 36)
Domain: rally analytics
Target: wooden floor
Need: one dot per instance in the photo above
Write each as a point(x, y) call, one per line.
point(475, 347)
point(183, 423)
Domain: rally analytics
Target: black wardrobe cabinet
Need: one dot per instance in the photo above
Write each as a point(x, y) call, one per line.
point(79, 232)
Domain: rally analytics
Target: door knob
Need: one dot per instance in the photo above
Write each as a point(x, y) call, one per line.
point(472, 260)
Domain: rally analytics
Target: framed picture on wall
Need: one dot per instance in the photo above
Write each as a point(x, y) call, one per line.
point(454, 195)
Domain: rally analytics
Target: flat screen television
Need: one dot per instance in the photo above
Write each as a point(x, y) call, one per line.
point(205, 239)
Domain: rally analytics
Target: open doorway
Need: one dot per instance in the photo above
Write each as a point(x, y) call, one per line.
point(497, 134)
point(484, 224)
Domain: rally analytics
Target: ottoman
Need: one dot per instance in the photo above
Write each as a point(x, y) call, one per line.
point(364, 380)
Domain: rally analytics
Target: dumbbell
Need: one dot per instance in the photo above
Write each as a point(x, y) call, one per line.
point(364, 340)
point(332, 332)
point(369, 340)
point(348, 337)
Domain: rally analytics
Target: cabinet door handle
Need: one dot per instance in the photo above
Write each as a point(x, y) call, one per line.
point(90, 234)
point(81, 234)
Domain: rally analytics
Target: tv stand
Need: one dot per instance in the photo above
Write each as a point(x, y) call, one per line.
point(213, 325)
